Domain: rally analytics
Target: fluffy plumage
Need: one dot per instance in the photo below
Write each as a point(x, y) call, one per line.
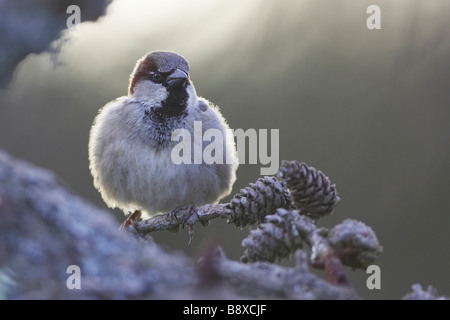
point(130, 142)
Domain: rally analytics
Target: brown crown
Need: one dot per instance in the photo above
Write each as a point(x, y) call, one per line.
point(143, 67)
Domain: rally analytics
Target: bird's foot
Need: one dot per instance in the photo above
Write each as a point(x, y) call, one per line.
point(186, 212)
point(131, 219)
point(191, 234)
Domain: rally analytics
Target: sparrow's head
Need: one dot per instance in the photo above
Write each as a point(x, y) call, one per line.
point(161, 79)
point(159, 69)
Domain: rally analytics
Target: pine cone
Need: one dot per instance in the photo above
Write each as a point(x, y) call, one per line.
point(276, 238)
point(253, 203)
point(355, 243)
point(310, 189)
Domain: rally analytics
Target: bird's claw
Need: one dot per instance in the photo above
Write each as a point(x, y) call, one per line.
point(188, 211)
point(191, 234)
point(131, 219)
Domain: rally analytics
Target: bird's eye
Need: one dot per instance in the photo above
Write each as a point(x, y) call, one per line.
point(155, 76)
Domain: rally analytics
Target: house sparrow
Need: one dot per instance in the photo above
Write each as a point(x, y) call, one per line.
point(130, 143)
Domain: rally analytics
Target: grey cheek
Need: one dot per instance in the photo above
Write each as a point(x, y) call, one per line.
point(202, 106)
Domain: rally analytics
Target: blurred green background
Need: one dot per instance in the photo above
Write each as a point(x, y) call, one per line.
point(371, 109)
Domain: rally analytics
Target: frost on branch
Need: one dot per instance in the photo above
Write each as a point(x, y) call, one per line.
point(248, 207)
point(286, 211)
point(45, 228)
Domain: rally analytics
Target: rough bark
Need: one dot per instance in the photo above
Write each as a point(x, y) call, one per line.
point(45, 228)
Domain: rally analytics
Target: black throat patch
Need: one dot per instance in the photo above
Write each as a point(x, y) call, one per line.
point(173, 107)
point(162, 121)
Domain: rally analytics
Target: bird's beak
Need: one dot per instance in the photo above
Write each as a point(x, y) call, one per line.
point(177, 79)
